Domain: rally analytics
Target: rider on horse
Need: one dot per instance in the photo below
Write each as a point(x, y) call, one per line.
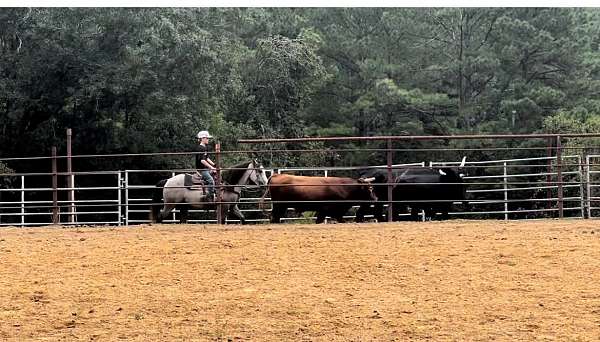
point(204, 165)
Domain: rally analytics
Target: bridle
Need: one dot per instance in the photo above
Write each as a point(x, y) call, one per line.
point(255, 181)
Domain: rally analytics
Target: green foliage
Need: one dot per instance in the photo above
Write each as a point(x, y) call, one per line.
point(563, 122)
point(4, 180)
point(578, 120)
point(146, 80)
point(5, 169)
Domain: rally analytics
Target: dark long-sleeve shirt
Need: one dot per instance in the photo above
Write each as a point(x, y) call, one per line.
point(203, 155)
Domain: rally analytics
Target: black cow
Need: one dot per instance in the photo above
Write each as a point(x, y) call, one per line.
point(420, 188)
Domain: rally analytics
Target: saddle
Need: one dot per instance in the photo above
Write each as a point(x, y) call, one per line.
point(194, 182)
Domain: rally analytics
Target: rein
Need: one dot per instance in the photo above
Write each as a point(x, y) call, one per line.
point(233, 187)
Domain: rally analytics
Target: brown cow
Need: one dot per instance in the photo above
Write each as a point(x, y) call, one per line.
point(328, 196)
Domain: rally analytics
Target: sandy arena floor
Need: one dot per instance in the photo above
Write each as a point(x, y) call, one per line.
point(454, 280)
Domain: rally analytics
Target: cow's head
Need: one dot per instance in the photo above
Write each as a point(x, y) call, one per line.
point(454, 175)
point(450, 175)
point(368, 187)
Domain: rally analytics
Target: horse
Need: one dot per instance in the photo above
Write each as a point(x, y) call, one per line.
point(170, 193)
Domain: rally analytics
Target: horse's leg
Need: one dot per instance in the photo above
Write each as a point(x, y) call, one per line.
point(235, 210)
point(224, 210)
point(166, 210)
point(183, 213)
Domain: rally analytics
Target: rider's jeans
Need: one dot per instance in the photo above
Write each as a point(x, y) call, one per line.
point(209, 180)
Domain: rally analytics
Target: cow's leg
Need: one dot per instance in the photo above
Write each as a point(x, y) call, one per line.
point(339, 216)
point(360, 213)
point(378, 212)
point(445, 212)
point(365, 209)
point(430, 214)
point(320, 217)
point(396, 209)
point(277, 212)
point(414, 213)
point(183, 213)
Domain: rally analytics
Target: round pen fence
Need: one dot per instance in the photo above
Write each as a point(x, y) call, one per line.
point(552, 181)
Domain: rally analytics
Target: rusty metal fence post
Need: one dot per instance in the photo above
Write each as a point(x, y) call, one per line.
point(220, 219)
point(54, 187)
point(389, 181)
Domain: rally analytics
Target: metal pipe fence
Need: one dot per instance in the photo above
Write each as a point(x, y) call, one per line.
point(518, 188)
point(492, 195)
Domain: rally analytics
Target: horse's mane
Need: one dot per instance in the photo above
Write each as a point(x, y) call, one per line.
point(233, 174)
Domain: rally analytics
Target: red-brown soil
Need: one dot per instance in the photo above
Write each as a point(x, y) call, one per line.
point(454, 280)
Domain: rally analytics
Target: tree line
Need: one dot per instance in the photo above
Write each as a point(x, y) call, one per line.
point(146, 80)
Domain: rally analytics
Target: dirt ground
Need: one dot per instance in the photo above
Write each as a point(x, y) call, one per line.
point(454, 280)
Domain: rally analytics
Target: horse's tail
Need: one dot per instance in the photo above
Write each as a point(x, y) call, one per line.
point(157, 196)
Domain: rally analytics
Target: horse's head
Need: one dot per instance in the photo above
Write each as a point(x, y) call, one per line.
point(258, 175)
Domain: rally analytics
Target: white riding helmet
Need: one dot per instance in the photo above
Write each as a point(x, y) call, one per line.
point(203, 134)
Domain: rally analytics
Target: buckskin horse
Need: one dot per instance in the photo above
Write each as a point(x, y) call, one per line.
point(172, 192)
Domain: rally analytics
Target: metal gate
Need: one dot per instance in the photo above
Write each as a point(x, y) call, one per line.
point(33, 201)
